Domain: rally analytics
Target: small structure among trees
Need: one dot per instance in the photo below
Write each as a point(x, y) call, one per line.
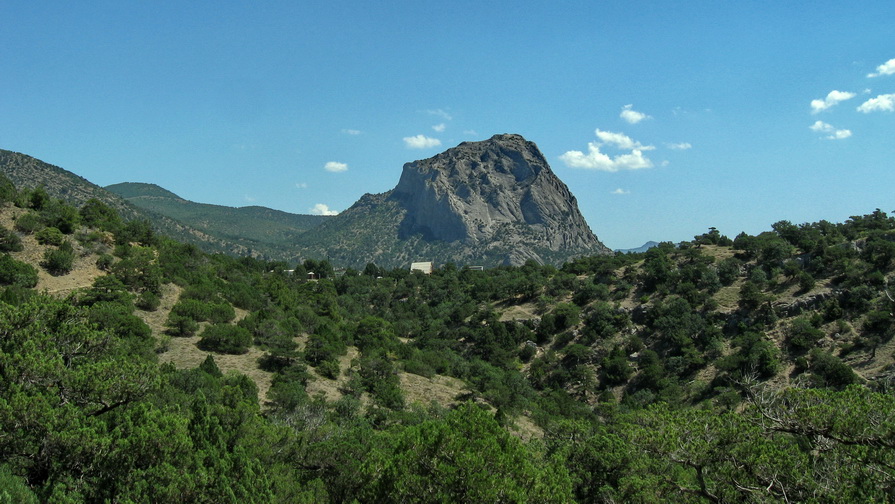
point(423, 267)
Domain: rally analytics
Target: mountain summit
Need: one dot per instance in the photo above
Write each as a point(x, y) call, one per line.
point(490, 202)
point(501, 189)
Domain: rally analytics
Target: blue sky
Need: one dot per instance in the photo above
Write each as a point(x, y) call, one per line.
point(664, 118)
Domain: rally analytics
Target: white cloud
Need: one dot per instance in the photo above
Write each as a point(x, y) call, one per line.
point(439, 127)
point(352, 131)
point(598, 160)
point(321, 209)
point(631, 115)
point(883, 102)
point(834, 134)
point(833, 97)
point(821, 126)
point(470, 132)
point(887, 68)
point(440, 113)
point(840, 134)
point(679, 146)
point(335, 167)
point(421, 142)
point(621, 191)
point(301, 185)
point(621, 140)
point(248, 198)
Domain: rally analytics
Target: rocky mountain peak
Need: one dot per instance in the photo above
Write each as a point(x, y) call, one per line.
point(499, 190)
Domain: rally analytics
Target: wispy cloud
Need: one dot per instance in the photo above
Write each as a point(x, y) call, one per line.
point(321, 209)
point(335, 167)
point(439, 127)
point(470, 132)
point(834, 134)
point(444, 114)
point(620, 191)
point(421, 142)
point(249, 199)
point(887, 68)
point(679, 146)
point(301, 185)
point(352, 131)
point(833, 97)
point(883, 103)
point(632, 116)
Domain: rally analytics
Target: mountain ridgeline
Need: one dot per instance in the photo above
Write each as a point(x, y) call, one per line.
point(484, 203)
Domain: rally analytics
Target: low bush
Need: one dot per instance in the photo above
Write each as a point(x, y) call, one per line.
point(225, 338)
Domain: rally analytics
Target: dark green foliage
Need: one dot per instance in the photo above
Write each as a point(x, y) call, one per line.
point(13, 272)
point(50, 236)
point(139, 270)
point(148, 301)
point(136, 231)
point(803, 334)
point(106, 289)
point(179, 325)
point(828, 370)
point(60, 215)
point(29, 223)
point(225, 338)
point(464, 457)
point(9, 241)
point(99, 215)
point(8, 191)
point(59, 261)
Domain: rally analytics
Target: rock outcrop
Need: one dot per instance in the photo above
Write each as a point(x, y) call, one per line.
point(495, 192)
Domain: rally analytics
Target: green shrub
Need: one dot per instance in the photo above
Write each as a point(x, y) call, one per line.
point(50, 236)
point(225, 338)
point(29, 223)
point(148, 301)
point(9, 241)
point(220, 313)
point(179, 325)
point(329, 369)
point(61, 215)
point(13, 272)
point(829, 370)
point(105, 261)
point(59, 261)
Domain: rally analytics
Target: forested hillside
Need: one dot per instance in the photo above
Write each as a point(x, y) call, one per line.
point(755, 369)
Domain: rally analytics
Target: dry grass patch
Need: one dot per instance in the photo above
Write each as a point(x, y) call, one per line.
point(527, 311)
point(330, 389)
point(184, 354)
point(443, 390)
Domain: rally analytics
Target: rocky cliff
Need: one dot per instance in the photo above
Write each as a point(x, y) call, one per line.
point(500, 191)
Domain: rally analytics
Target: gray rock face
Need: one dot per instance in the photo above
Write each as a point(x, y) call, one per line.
point(499, 190)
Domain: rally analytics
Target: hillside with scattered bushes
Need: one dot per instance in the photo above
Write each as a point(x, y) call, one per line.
point(136, 368)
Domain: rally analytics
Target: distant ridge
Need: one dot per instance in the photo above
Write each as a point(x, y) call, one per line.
point(274, 232)
point(643, 248)
point(28, 172)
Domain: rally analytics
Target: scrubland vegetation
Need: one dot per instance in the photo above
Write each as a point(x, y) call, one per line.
point(755, 369)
